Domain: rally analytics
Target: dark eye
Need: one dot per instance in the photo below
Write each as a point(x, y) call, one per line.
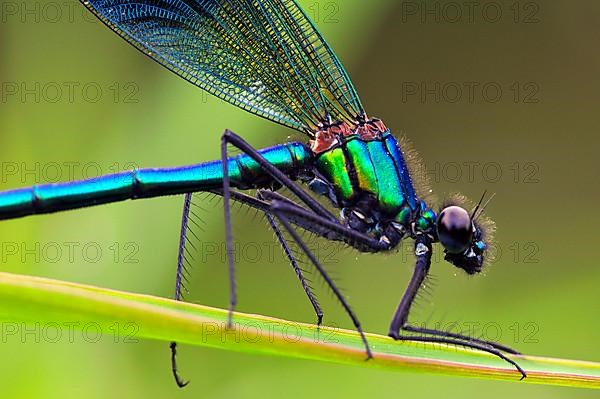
point(454, 229)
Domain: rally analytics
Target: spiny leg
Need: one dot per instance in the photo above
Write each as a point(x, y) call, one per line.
point(265, 207)
point(423, 251)
point(288, 252)
point(463, 337)
point(466, 344)
point(178, 281)
point(283, 220)
point(258, 204)
point(333, 231)
point(366, 243)
point(303, 218)
point(401, 317)
point(235, 140)
point(231, 138)
point(228, 233)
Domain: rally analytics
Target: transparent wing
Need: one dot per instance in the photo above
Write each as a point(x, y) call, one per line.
point(263, 56)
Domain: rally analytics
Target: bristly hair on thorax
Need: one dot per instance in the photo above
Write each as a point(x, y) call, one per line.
point(422, 185)
point(418, 171)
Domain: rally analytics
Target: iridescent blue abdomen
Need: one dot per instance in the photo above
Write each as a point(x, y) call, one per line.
point(244, 173)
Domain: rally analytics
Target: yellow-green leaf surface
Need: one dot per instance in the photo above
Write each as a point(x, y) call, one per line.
point(33, 299)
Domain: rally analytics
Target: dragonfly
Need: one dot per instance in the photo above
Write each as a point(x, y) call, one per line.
point(268, 58)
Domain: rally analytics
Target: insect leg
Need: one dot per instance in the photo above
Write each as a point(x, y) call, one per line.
point(333, 231)
point(288, 252)
point(235, 140)
point(423, 252)
point(228, 233)
point(440, 333)
point(284, 222)
point(179, 279)
point(231, 138)
point(293, 213)
point(261, 205)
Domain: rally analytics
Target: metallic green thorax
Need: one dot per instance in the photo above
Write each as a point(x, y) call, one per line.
point(357, 167)
point(371, 183)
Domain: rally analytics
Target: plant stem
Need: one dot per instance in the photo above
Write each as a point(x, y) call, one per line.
point(33, 299)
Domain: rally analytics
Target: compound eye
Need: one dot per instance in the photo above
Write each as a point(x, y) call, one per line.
point(455, 230)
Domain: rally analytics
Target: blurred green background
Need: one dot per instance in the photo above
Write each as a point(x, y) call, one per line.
point(500, 96)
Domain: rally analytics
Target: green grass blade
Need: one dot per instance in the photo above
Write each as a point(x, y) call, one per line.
point(33, 299)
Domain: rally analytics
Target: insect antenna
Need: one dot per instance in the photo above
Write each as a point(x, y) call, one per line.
point(482, 208)
point(478, 204)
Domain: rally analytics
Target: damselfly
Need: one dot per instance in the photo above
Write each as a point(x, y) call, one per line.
point(268, 58)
